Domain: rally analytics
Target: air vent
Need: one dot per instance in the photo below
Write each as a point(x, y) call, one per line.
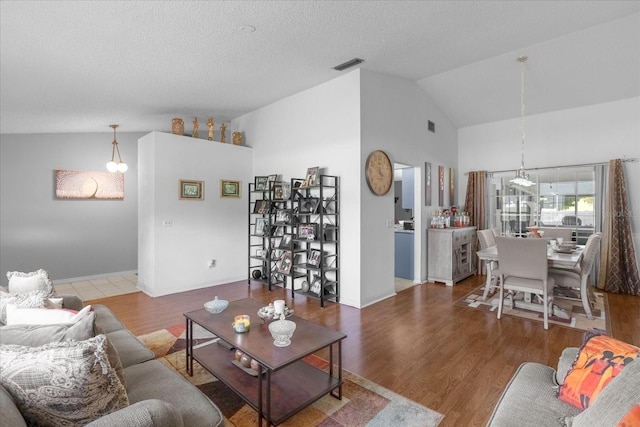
point(348, 64)
point(432, 126)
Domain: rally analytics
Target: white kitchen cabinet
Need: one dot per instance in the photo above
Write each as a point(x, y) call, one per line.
point(451, 254)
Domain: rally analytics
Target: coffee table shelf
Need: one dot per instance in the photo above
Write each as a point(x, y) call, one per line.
point(315, 383)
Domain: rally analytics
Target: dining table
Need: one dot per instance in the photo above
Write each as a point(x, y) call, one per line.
point(555, 258)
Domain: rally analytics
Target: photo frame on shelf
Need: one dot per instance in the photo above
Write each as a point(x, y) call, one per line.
point(312, 178)
point(315, 257)
point(262, 253)
point(278, 193)
point(261, 183)
point(285, 242)
point(316, 284)
point(283, 216)
point(191, 190)
point(285, 262)
point(307, 231)
point(273, 243)
point(271, 179)
point(262, 207)
point(308, 205)
point(230, 188)
point(261, 226)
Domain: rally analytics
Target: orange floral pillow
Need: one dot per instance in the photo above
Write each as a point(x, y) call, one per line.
point(631, 418)
point(599, 360)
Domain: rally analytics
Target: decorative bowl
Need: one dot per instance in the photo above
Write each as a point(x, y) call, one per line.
point(216, 306)
point(282, 331)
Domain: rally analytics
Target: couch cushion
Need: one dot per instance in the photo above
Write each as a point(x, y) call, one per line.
point(154, 380)
point(599, 360)
point(62, 383)
point(39, 280)
point(9, 414)
point(529, 400)
point(130, 349)
point(615, 401)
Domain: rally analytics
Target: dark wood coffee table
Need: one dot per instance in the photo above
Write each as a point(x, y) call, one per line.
point(285, 383)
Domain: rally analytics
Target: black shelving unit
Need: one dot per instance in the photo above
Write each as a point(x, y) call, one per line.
point(317, 213)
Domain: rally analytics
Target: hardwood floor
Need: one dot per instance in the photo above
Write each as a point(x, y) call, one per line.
point(454, 360)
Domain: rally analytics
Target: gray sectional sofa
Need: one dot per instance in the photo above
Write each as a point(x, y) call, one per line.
point(158, 396)
point(529, 399)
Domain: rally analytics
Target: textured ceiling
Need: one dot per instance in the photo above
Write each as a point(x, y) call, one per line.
point(79, 66)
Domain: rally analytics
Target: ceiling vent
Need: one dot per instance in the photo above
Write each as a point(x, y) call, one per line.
point(351, 63)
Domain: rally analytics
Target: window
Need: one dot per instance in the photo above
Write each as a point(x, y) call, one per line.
point(562, 197)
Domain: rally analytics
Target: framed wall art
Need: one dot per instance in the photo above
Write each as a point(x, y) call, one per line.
point(191, 190)
point(229, 188)
point(312, 178)
point(452, 186)
point(440, 185)
point(427, 184)
point(76, 184)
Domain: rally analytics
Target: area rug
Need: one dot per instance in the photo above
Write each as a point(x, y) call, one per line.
point(363, 403)
point(576, 316)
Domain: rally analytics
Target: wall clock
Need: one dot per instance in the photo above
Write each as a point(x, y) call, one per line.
point(379, 172)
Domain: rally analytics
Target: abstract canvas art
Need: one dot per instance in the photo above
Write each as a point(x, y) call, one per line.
point(76, 184)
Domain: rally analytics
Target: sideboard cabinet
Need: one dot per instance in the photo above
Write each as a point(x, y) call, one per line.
point(451, 254)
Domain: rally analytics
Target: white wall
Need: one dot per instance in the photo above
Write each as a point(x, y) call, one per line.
point(71, 239)
point(174, 259)
point(597, 133)
point(317, 127)
point(395, 113)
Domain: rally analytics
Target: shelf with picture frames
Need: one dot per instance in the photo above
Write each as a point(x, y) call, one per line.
point(294, 234)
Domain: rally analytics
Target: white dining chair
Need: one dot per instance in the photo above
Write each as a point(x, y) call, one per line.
point(550, 233)
point(486, 239)
point(523, 268)
point(573, 283)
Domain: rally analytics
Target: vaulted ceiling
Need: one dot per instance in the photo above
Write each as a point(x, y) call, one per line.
point(72, 66)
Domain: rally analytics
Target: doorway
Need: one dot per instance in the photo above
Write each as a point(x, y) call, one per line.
point(404, 226)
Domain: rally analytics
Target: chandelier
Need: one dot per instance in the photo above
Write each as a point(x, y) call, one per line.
point(112, 166)
point(522, 177)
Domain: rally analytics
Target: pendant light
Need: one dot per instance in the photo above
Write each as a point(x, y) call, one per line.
point(112, 166)
point(522, 177)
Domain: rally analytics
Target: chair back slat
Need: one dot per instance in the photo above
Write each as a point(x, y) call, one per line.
point(589, 254)
point(526, 258)
point(486, 239)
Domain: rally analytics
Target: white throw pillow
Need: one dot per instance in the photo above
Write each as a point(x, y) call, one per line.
point(20, 283)
point(65, 383)
point(43, 316)
point(28, 300)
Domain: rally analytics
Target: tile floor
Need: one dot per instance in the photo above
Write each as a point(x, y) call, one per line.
point(99, 288)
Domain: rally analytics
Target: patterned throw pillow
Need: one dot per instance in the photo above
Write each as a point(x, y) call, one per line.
point(39, 280)
point(66, 383)
point(631, 418)
point(599, 360)
point(33, 299)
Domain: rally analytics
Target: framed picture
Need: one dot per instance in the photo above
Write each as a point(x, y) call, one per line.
point(440, 185)
point(285, 262)
point(285, 242)
point(262, 253)
point(229, 188)
point(308, 205)
point(314, 258)
point(75, 184)
point(191, 190)
point(283, 216)
point(452, 186)
point(278, 194)
point(261, 226)
point(427, 184)
point(261, 183)
point(315, 285)
point(262, 207)
point(307, 231)
point(273, 243)
point(312, 178)
point(270, 180)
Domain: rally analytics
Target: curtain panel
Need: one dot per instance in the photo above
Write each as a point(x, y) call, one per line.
point(618, 266)
point(475, 201)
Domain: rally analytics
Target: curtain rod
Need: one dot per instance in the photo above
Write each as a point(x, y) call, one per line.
point(625, 160)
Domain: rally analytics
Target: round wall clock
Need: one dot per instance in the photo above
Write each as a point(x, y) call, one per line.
point(379, 172)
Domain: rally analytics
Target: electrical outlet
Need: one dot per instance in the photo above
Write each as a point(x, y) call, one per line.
point(212, 263)
point(167, 223)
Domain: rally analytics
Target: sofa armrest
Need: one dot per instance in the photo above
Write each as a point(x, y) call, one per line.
point(10, 414)
point(72, 302)
point(148, 413)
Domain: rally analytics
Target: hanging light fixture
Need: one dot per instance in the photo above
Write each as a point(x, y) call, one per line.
point(112, 166)
point(522, 177)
